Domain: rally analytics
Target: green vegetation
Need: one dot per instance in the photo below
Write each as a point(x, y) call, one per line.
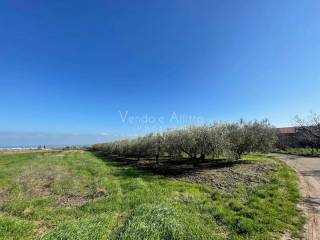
point(306, 152)
point(77, 195)
point(232, 140)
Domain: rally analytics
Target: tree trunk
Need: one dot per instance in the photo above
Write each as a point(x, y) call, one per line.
point(195, 159)
point(239, 154)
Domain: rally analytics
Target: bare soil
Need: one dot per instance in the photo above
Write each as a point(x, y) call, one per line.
point(229, 177)
point(218, 173)
point(308, 170)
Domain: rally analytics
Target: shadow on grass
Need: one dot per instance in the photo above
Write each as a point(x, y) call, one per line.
point(166, 167)
point(312, 173)
point(297, 154)
point(313, 203)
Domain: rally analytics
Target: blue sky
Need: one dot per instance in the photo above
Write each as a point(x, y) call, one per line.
point(73, 67)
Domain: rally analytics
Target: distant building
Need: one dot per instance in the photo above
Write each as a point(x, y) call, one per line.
point(295, 137)
point(287, 130)
point(287, 137)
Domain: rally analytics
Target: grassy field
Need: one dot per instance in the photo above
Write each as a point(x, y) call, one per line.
point(77, 195)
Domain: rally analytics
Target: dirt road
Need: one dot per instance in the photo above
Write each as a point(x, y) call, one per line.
point(308, 170)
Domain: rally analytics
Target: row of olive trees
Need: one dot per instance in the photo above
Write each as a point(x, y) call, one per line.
point(198, 142)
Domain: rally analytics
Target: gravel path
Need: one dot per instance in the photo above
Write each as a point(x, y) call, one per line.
point(308, 170)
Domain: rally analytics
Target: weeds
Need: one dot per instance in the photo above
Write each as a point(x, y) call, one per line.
point(76, 195)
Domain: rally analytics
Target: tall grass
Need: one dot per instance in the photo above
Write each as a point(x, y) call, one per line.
point(89, 198)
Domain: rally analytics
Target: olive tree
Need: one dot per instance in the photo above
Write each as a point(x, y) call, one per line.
point(157, 145)
point(171, 143)
point(208, 140)
point(139, 147)
point(244, 137)
point(198, 142)
point(187, 141)
point(217, 139)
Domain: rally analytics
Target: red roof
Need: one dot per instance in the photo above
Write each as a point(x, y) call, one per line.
point(287, 130)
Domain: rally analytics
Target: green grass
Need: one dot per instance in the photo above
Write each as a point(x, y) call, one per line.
point(75, 195)
point(306, 152)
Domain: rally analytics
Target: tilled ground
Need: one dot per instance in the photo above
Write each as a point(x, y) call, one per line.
point(229, 177)
point(220, 173)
